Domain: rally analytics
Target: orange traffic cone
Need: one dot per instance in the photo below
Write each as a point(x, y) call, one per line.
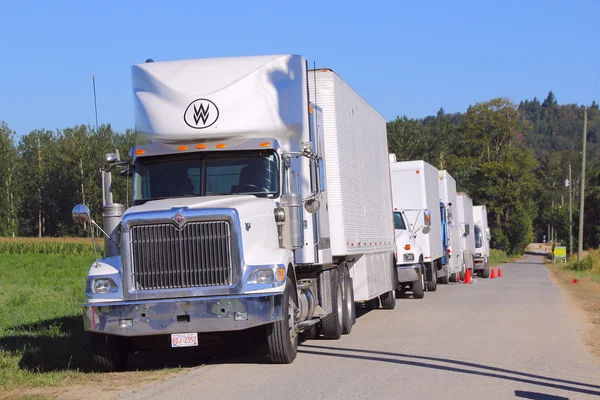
point(499, 273)
point(468, 277)
point(493, 276)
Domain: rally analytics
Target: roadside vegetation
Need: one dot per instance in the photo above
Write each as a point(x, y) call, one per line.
point(585, 290)
point(498, 257)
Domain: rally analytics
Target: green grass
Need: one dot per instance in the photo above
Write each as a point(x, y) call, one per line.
point(588, 267)
point(498, 257)
point(41, 332)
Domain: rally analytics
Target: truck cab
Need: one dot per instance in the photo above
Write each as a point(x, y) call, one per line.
point(409, 257)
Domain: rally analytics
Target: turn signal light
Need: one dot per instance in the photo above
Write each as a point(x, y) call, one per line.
point(140, 151)
point(201, 146)
point(182, 148)
point(265, 144)
point(407, 247)
point(221, 146)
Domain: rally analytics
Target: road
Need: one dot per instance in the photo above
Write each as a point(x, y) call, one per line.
point(512, 337)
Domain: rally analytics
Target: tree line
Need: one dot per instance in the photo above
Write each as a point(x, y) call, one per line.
point(512, 157)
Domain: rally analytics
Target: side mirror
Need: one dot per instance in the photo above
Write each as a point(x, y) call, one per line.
point(427, 218)
point(426, 230)
point(467, 230)
point(312, 205)
point(81, 213)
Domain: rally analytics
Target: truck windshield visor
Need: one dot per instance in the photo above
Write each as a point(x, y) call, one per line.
point(399, 221)
point(206, 174)
point(478, 237)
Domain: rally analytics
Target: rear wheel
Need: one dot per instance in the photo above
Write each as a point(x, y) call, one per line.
point(282, 336)
point(333, 324)
point(110, 353)
point(349, 310)
point(462, 275)
point(388, 300)
point(419, 286)
point(454, 277)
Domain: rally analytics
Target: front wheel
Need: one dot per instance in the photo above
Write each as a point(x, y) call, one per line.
point(485, 273)
point(419, 286)
point(388, 300)
point(432, 281)
point(110, 353)
point(282, 336)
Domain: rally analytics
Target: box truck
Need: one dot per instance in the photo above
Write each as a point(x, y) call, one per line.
point(449, 205)
point(465, 223)
point(252, 207)
point(416, 193)
point(482, 238)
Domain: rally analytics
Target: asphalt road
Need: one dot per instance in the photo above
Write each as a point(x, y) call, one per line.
point(512, 337)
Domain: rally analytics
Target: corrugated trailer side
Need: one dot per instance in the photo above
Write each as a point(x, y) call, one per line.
point(358, 182)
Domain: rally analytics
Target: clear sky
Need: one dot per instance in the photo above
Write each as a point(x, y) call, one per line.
point(405, 58)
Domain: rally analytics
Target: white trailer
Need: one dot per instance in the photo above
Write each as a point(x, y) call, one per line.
point(252, 206)
point(416, 193)
point(465, 223)
point(448, 198)
point(482, 241)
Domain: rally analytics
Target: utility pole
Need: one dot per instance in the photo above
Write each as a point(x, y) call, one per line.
point(581, 206)
point(570, 213)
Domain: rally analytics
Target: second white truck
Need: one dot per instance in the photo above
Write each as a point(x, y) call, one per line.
point(448, 200)
point(465, 223)
point(416, 194)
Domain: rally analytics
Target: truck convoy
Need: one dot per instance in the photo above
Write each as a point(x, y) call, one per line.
point(448, 205)
point(465, 223)
point(482, 241)
point(416, 196)
point(247, 209)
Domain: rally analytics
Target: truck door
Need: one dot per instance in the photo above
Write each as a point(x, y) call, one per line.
point(444, 233)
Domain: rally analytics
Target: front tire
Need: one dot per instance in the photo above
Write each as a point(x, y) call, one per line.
point(388, 300)
point(419, 286)
point(446, 278)
point(109, 352)
point(432, 281)
point(282, 337)
point(485, 273)
point(332, 325)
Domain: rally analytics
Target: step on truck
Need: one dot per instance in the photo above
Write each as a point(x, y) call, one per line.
point(452, 231)
point(465, 223)
point(482, 238)
point(416, 194)
point(252, 208)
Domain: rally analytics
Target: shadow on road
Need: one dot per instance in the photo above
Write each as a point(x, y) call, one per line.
point(537, 396)
point(406, 359)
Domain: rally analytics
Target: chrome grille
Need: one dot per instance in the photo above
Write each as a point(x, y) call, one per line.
point(197, 255)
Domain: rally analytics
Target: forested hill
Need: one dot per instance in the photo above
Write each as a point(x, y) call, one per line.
point(514, 158)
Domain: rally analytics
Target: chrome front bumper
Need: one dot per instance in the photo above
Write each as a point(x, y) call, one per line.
point(186, 315)
point(408, 273)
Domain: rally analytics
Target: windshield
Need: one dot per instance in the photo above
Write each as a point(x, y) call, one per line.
point(206, 174)
point(478, 237)
point(399, 221)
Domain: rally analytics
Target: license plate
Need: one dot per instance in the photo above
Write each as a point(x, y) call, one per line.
point(184, 339)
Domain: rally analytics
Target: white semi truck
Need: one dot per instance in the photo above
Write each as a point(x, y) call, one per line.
point(448, 199)
point(482, 238)
point(252, 207)
point(416, 194)
point(465, 223)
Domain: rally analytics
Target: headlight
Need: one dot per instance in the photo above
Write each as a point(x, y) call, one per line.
point(101, 285)
point(477, 254)
point(267, 275)
point(409, 257)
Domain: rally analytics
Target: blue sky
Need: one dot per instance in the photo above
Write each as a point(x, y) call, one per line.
point(405, 58)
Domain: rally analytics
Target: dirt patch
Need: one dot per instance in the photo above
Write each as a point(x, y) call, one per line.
point(584, 300)
point(97, 387)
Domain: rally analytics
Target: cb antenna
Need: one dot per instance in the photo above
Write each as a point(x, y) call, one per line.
point(95, 105)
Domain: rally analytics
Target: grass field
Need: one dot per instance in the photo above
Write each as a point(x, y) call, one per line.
point(43, 348)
